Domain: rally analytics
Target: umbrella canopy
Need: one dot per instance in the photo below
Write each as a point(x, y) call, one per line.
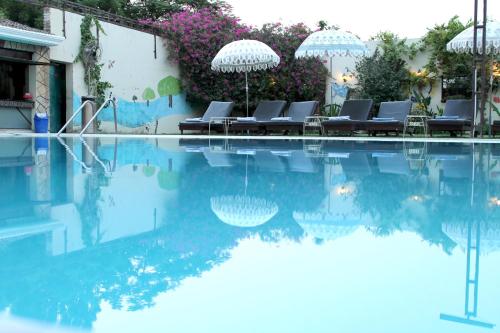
point(463, 42)
point(243, 211)
point(331, 43)
point(325, 226)
point(245, 56)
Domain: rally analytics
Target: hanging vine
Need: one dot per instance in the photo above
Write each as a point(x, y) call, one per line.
point(89, 55)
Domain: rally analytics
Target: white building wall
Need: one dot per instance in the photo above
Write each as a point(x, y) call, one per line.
point(130, 65)
point(345, 65)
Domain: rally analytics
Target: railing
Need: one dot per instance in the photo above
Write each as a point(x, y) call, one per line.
point(76, 113)
point(107, 169)
point(98, 13)
point(103, 106)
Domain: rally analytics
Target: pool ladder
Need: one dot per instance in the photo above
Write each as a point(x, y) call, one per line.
point(110, 100)
point(107, 168)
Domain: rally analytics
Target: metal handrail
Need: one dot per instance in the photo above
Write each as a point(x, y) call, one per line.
point(77, 112)
point(104, 105)
point(98, 160)
point(70, 151)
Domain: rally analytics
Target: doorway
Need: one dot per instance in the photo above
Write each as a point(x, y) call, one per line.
point(57, 96)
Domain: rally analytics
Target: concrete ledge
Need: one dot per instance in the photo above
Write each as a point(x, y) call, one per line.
point(15, 133)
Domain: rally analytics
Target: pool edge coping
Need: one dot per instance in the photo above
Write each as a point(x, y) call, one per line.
point(248, 137)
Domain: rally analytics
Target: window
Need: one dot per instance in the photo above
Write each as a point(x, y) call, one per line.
point(455, 88)
point(13, 74)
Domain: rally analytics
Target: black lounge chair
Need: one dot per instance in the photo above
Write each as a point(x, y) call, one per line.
point(495, 128)
point(294, 121)
point(265, 111)
point(351, 116)
point(458, 117)
point(391, 118)
point(214, 110)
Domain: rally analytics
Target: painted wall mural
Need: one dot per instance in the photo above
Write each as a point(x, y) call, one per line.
point(169, 100)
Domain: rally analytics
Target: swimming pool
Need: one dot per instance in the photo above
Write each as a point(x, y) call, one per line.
point(191, 235)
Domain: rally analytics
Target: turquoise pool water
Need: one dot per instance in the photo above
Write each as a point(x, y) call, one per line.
point(124, 235)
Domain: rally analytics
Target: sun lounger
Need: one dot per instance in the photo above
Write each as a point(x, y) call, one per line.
point(294, 120)
point(265, 111)
point(299, 162)
point(351, 116)
point(458, 117)
point(393, 163)
point(217, 159)
point(391, 118)
point(495, 128)
point(214, 110)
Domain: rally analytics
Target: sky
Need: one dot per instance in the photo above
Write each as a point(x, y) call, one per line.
point(365, 18)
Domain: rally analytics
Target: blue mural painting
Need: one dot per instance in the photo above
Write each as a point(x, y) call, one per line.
point(339, 90)
point(135, 114)
point(141, 152)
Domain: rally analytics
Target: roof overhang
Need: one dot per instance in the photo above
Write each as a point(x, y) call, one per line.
point(29, 37)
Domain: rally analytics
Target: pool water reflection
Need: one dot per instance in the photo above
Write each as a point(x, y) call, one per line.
point(250, 235)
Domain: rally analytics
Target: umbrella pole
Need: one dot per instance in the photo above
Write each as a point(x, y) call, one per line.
point(331, 80)
point(246, 88)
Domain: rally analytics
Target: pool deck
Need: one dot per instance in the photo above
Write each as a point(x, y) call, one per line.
point(14, 133)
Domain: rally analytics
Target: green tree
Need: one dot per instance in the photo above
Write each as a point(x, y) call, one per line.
point(168, 180)
point(384, 76)
point(136, 9)
point(451, 65)
point(148, 95)
point(442, 62)
point(169, 86)
point(156, 9)
point(22, 13)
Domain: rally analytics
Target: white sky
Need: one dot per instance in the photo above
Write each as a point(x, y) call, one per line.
point(363, 17)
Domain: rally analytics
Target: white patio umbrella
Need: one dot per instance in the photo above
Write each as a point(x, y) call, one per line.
point(245, 56)
point(331, 43)
point(464, 43)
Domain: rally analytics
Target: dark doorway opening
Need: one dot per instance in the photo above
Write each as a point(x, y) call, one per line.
point(57, 96)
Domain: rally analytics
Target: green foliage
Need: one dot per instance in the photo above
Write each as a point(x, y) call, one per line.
point(92, 72)
point(156, 9)
point(169, 86)
point(384, 76)
point(22, 13)
point(441, 62)
point(195, 37)
point(148, 170)
point(135, 9)
point(394, 48)
point(168, 180)
point(423, 102)
point(148, 94)
point(323, 25)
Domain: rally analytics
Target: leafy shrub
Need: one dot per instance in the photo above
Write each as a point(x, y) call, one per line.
point(384, 76)
point(195, 37)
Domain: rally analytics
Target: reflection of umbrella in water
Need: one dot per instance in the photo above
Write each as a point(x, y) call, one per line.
point(242, 210)
point(324, 226)
point(489, 235)
point(337, 217)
